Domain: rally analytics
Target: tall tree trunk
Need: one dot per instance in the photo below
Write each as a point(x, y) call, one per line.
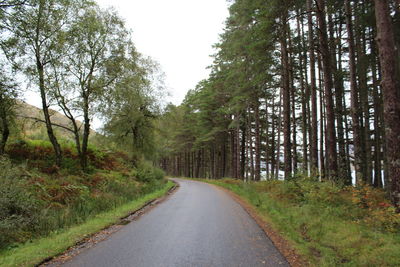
point(354, 96)
point(286, 99)
point(396, 28)
point(313, 89)
point(46, 113)
point(251, 150)
point(339, 87)
point(272, 138)
point(308, 102)
point(303, 96)
point(362, 67)
point(322, 122)
point(377, 134)
point(224, 159)
point(237, 145)
point(340, 96)
point(42, 88)
point(247, 153)
point(198, 164)
point(377, 119)
point(278, 154)
point(267, 139)
point(328, 83)
point(293, 102)
point(257, 170)
point(233, 153)
point(391, 95)
point(243, 151)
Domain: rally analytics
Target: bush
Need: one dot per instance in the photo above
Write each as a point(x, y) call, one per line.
point(18, 209)
point(147, 173)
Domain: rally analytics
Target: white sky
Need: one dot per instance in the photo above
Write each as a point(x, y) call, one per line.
point(178, 34)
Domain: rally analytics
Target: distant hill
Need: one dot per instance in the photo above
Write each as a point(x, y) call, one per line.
point(30, 122)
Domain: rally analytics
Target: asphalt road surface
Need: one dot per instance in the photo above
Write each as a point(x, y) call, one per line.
point(199, 225)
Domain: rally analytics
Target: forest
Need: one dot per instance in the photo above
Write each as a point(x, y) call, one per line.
point(297, 88)
point(298, 121)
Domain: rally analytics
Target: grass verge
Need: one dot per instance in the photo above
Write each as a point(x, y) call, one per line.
point(57, 242)
point(327, 225)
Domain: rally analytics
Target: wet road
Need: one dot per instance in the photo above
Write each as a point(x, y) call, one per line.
point(199, 225)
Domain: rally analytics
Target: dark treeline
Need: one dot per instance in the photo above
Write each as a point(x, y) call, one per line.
point(299, 87)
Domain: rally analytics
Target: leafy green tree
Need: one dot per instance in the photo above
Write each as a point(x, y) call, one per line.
point(38, 29)
point(96, 43)
point(132, 105)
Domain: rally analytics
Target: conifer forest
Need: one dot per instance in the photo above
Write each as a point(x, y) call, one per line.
point(297, 88)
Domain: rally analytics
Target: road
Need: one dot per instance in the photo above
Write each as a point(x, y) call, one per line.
point(199, 225)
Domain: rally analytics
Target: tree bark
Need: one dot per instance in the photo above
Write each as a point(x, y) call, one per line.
point(328, 84)
point(391, 95)
point(304, 98)
point(272, 138)
point(237, 145)
point(243, 151)
point(322, 122)
point(278, 154)
point(286, 99)
point(354, 96)
point(40, 70)
point(339, 87)
point(362, 70)
point(257, 174)
point(313, 89)
point(377, 118)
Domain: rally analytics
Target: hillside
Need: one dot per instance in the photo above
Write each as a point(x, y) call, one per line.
point(30, 122)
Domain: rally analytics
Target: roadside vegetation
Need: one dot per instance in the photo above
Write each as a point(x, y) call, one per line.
point(58, 174)
point(33, 252)
point(37, 198)
point(327, 224)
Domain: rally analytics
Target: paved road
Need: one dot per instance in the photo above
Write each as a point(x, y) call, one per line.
point(199, 225)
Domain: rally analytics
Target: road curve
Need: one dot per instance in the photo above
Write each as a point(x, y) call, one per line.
point(199, 225)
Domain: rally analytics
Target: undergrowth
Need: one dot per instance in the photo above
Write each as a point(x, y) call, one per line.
point(37, 198)
point(328, 224)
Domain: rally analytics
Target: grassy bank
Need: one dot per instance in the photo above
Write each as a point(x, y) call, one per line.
point(328, 225)
point(35, 251)
point(39, 200)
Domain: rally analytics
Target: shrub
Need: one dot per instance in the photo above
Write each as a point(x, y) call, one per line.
point(147, 173)
point(18, 209)
point(39, 198)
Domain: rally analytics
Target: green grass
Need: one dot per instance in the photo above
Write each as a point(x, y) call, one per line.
point(36, 251)
point(326, 224)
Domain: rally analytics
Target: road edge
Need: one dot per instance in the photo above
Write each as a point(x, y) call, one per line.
point(283, 245)
point(94, 238)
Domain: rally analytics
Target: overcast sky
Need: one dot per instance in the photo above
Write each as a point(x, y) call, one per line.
point(179, 34)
